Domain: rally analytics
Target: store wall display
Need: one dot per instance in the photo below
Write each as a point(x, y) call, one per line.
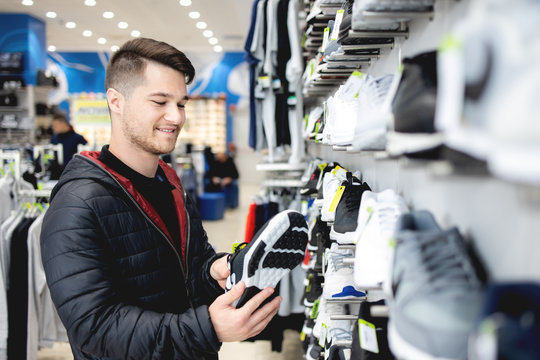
point(23, 38)
point(476, 181)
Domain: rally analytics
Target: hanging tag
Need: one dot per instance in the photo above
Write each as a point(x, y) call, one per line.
point(337, 24)
point(337, 197)
point(367, 336)
point(325, 38)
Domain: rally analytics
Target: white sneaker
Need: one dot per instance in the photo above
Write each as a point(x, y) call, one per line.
point(373, 247)
point(331, 182)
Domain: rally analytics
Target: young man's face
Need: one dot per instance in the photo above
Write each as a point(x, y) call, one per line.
point(154, 114)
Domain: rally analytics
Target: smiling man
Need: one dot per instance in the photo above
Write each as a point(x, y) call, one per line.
point(127, 260)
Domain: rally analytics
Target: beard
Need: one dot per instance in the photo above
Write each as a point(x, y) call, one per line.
point(151, 142)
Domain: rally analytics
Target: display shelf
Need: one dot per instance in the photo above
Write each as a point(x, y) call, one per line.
point(355, 34)
point(280, 166)
point(286, 183)
point(398, 15)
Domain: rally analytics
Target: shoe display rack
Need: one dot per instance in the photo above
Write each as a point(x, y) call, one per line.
point(497, 218)
point(206, 123)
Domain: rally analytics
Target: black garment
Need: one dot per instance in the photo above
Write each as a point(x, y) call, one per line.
point(17, 294)
point(381, 330)
point(156, 190)
point(283, 135)
point(221, 170)
point(117, 282)
point(69, 140)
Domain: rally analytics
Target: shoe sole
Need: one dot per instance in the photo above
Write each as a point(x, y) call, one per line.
point(277, 250)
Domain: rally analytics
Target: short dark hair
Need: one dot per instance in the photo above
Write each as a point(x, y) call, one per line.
point(60, 117)
point(127, 65)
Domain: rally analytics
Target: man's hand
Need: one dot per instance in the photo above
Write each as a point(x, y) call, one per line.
point(233, 324)
point(220, 271)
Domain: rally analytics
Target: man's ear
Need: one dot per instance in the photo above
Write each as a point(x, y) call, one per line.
point(115, 100)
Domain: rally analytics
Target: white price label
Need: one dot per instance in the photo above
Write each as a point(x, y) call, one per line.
point(322, 338)
point(325, 38)
point(337, 24)
point(368, 336)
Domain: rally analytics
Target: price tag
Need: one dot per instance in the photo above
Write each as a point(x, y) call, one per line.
point(367, 336)
point(325, 38)
point(322, 338)
point(337, 24)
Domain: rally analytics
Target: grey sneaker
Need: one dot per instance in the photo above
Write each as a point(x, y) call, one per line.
point(437, 295)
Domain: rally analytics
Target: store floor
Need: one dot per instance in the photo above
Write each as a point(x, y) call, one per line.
point(222, 234)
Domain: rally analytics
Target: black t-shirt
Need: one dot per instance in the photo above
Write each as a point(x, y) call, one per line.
point(156, 190)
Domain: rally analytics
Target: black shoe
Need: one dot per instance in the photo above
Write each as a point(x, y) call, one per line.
point(311, 186)
point(313, 289)
point(343, 230)
point(277, 248)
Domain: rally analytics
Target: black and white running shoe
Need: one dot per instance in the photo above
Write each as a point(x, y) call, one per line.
point(277, 248)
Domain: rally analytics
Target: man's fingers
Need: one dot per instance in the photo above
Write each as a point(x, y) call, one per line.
point(256, 301)
point(263, 316)
point(232, 295)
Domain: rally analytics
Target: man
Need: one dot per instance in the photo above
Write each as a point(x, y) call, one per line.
point(127, 261)
point(222, 172)
point(64, 134)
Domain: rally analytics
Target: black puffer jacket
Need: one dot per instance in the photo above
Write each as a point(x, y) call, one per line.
point(115, 278)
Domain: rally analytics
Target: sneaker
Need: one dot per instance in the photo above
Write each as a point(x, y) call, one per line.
point(346, 218)
point(338, 276)
point(413, 107)
point(277, 248)
point(313, 289)
point(433, 277)
point(373, 247)
point(370, 334)
point(331, 182)
point(509, 327)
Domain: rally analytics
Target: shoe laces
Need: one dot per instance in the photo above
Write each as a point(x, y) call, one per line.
point(446, 263)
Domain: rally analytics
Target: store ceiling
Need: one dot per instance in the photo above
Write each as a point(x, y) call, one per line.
point(164, 20)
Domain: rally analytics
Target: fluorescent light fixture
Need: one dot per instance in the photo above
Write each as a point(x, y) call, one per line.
point(123, 25)
point(208, 33)
point(90, 2)
point(108, 14)
point(102, 41)
point(213, 41)
point(135, 33)
point(87, 33)
point(27, 2)
point(218, 48)
point(201, 25)
point(71, 25)
point(194, 14)
point(51, 48)
point(185, 2)
point(50, 14)
point(115, 48)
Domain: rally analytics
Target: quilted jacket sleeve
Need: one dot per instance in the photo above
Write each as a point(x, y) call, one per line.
point(80, 276)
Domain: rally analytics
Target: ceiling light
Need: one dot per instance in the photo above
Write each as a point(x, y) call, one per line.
point(108, 14)
point(208, 33)
point(87, 33)
point(135, 33)
point(90, 2)
point(51, 48)
point(102, 41)
point(185, 2)
point(194, 14)
point(201, 25)
point(213, 41)
point(50, 14)
point(122, 25)
point(27, 2)
point(218, 48)
point(71, 25)
point(115, 48)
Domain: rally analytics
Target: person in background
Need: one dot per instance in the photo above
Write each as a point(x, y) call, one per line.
point(222, 172)
point(64, 134)
point(127, 260)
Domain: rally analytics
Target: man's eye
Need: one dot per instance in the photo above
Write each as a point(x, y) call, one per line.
point(159, 102)
point(181, 106)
